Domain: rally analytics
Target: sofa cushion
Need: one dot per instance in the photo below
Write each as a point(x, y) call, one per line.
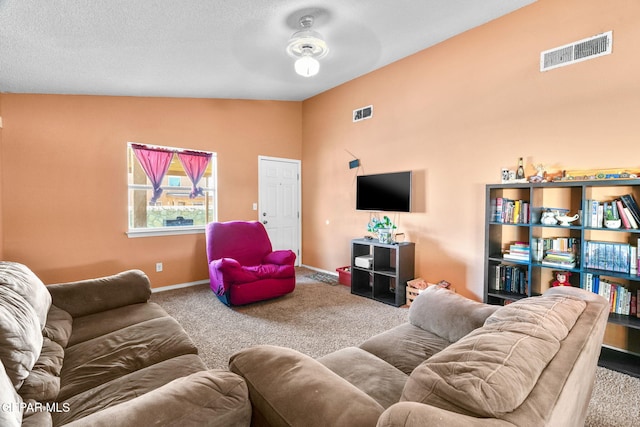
point(447, 314)
point(43, 382)
point(127, 387)
point(214, 397)
point(20, 335)
point(380, 380)
point(10, 412)
point(23, 281)
point(492, 370)
point(58, 326)
point(275, 376)
point(416, 345)
point(94, 325)
point(104, 358)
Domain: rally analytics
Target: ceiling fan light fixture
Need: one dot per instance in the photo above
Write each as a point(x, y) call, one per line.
point(307, 66)
point(307, 46)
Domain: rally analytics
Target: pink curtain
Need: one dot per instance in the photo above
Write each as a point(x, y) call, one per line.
point(194, 164)
point(155, 163)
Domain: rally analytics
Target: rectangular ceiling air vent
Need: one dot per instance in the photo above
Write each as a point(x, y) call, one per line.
point(581, 50)
point(363, 113)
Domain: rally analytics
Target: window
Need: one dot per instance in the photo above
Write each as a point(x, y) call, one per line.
point(171, 190)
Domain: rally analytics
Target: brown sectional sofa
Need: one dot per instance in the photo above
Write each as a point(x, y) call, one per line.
point(97, 353)
point(455, 363)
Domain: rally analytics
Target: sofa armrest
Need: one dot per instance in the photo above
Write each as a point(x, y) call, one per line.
point(288, 388)
point(100, 294)
point(207, 398)
point(280, 257)
point(414, 414)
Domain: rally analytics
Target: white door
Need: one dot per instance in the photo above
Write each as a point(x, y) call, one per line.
point(279, 202)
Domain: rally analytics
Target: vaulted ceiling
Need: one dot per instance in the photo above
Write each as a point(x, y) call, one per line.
point(215, 48)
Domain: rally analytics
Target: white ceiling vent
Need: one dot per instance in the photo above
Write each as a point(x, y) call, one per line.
point(581, 50)
point(363, 113)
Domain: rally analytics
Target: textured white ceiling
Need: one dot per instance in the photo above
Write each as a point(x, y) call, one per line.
point(215, 48)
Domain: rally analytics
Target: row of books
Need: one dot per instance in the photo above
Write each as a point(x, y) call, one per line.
point(511, 278)
point(618, 257)
point(625, 209)
point(509, 211)
point(622, 299)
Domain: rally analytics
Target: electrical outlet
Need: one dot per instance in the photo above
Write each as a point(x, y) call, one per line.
point(158, 267)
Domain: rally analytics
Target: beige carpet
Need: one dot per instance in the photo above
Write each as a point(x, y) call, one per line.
point(318, 318)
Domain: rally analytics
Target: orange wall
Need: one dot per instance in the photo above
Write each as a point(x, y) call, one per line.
point(456, 114)
point(64, 177)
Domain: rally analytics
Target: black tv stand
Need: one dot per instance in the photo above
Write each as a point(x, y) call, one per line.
point(386, 279)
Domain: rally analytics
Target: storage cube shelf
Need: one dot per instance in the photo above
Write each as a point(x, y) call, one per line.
point(386, 279)
point(517, 245)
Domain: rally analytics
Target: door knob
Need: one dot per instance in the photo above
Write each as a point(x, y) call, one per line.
point(265, 221)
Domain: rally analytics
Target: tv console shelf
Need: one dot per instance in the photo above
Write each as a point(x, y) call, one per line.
point(392, 266)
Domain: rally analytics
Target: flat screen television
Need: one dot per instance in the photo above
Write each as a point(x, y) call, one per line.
point(389, 192)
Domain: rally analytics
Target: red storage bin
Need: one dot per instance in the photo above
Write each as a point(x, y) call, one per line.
point(344, 275)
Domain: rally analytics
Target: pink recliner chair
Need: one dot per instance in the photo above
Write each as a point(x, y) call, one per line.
point(243, 268)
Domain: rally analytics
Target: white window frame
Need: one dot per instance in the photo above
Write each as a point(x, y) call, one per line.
point(169, 230)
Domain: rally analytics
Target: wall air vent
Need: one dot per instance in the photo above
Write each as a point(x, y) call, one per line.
point(363, 113)
point(581, 50)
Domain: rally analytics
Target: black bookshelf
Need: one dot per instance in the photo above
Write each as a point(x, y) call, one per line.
point(619, 361)
point(621, 349)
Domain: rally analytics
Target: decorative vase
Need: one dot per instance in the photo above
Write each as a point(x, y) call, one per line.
point(385, 235)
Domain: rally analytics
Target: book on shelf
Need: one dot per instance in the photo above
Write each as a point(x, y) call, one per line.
point(518, 251)
point(630, 202)
point(558, 258)
point(622, 215)
point(509, 211)
point(559, 264)
point(593, 213)
point(622, 299)
point(631, 219)
point(597, 212)
point(511, 278)
point(609, 256)
point(560, 252)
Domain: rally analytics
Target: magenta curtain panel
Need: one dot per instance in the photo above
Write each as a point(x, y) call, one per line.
point(194, 164)
point(155, 163)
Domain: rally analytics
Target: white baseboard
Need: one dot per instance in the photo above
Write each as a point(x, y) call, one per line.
point(319, 270)
point(202, 282)
point(178, 286)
